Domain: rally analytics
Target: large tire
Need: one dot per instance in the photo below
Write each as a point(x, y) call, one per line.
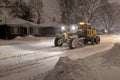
point(97, 40)
point(85, 41)
point(58, 41)
point(72, 43)
point(93, 41)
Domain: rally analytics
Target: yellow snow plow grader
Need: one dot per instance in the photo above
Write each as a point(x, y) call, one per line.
point(80, 37)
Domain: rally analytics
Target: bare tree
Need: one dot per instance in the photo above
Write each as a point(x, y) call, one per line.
point(66, 8)
point(85, 9)
point(55, 11)
point(37, 6)
point(20, 9)
point(108, 15)
point(7, 2)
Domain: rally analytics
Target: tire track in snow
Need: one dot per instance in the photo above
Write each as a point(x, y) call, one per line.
point(23, 66)
point(27, 54)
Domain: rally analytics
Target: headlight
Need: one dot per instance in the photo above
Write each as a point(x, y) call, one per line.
point(74, 27)
point(62, 28)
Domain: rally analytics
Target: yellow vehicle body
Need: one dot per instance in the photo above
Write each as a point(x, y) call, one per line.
point(86, 27)
point(91, 33)
point(85, 33)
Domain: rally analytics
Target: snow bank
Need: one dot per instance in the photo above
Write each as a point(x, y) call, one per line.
point(67, 69)
point(30, 37)
point(19, 37)
point(113, 55)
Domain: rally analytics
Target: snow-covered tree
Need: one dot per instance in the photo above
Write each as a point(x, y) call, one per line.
point(108, 15)
point(66, 10)
point(18, 8)
point(85, 9)
point(37, 6)
point(74, 11)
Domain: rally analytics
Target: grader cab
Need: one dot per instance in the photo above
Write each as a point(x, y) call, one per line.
point(84, 34)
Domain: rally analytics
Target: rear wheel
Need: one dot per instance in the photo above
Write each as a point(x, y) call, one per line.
point(93, 41)
point(58, 41)
point(85, 41)
point(97, 40)
point(73, 43)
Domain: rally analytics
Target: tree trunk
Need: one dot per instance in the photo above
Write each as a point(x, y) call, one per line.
point(39, 18)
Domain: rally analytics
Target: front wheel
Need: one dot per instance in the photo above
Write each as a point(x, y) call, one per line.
point(72, 43)
point(93, 41)
point(97, 39)
point(58, 41)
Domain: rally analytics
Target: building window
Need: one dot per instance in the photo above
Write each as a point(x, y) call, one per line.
point(19, 30)
point(12, 30)
point(40, 30)
point(31, 30)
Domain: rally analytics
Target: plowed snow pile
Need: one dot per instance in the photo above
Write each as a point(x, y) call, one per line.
point(67, 69)
point(30, 37)
point(19, 37)
point(113, 55)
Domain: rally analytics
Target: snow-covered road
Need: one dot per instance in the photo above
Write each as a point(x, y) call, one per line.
point(24, 61)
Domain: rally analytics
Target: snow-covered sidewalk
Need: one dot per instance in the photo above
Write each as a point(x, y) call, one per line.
point(27, 39)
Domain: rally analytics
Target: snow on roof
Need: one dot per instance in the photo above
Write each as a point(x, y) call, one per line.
point(13, 21)
point(33, 24)
point(20, 22)
point(30, 24)
point(17, 21)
